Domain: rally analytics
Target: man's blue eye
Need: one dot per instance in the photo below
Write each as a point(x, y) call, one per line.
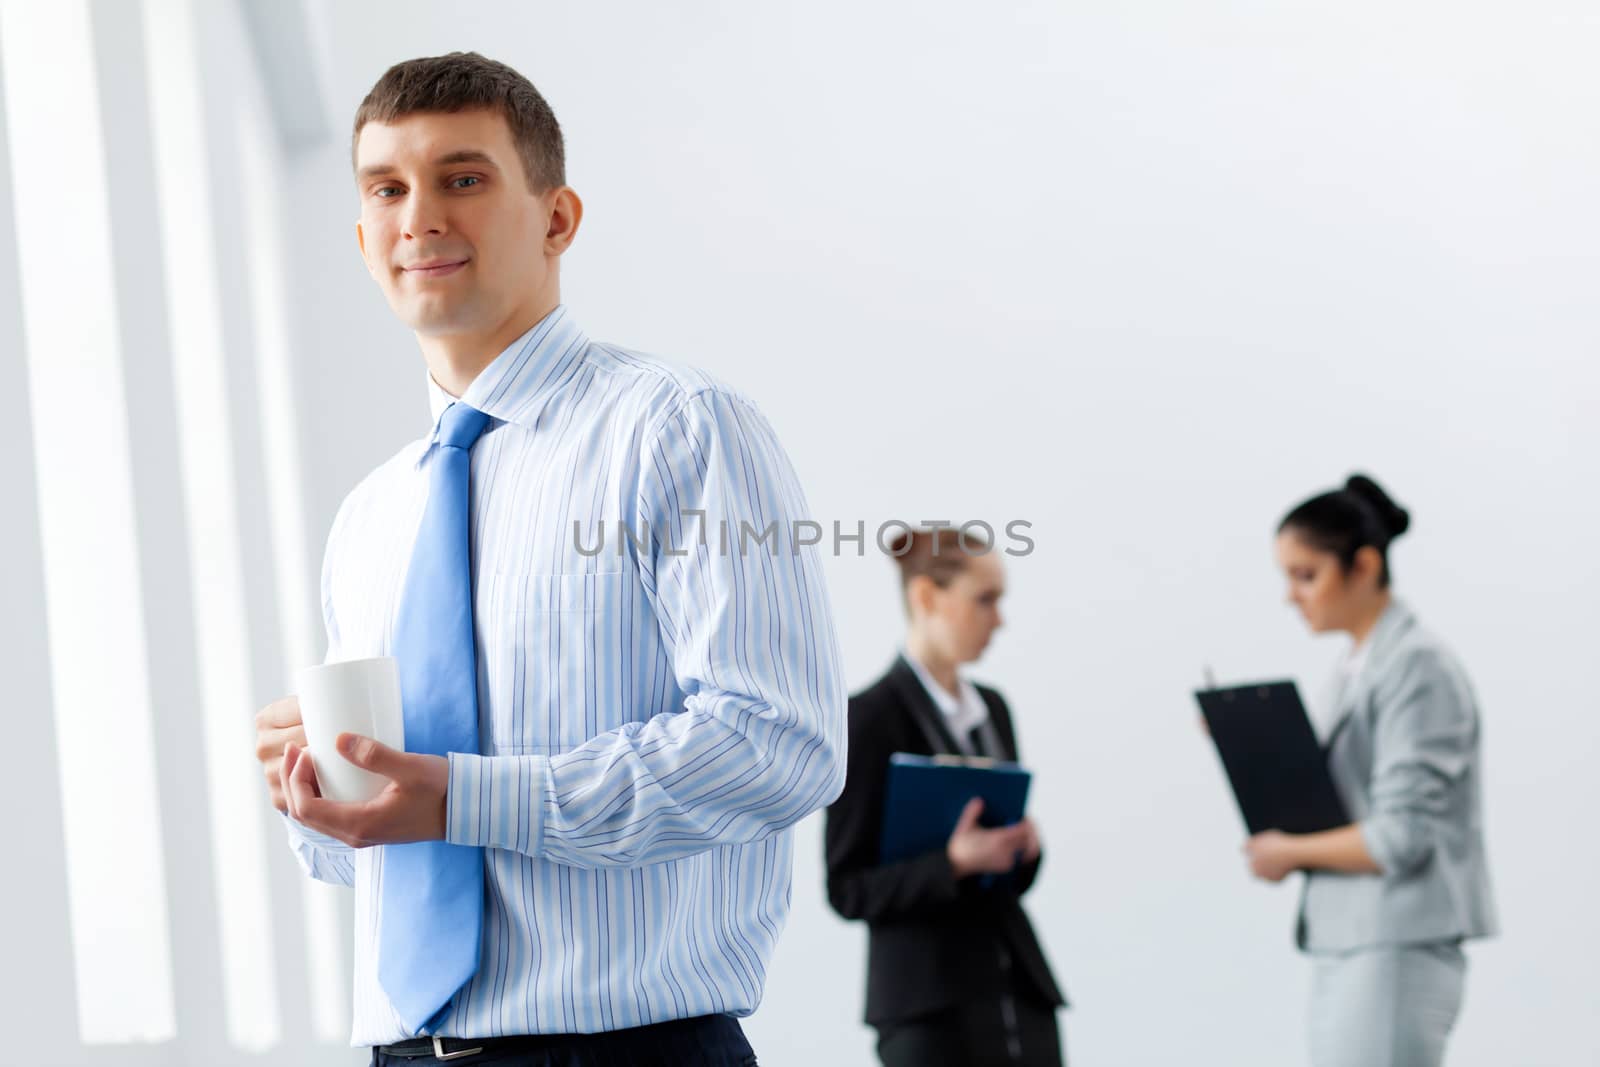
point(467, 178)
point(382, 193)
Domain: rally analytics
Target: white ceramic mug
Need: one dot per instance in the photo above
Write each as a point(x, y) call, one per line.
point(358, 696)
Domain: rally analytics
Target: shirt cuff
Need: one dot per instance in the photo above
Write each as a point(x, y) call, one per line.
point(498, 801)
point(299, 831)
point(324, 858)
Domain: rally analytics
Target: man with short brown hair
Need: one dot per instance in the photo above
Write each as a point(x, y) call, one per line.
point(583, 853)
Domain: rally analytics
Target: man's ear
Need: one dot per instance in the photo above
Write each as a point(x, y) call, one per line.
point(361, 243)
point(566, 212)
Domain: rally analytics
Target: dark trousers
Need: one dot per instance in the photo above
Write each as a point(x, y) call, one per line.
point(706, 1041)
point(1000, 1032)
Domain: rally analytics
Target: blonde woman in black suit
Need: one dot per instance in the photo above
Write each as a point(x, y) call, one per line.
point(955, 974)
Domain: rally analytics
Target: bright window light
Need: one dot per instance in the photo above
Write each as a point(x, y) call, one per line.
point(117, 896)
point(200, 376)
point(299, 606)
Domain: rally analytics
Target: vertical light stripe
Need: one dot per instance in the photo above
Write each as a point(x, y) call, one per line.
point(262, 169)
point(95, 616)
point(194, 315)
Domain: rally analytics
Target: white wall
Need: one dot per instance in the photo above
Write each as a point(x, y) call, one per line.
point(1143, 275)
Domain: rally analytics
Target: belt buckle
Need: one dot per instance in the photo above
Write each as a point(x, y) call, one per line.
point(440, 1054)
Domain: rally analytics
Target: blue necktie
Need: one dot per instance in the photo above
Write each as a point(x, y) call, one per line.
point(432, 893)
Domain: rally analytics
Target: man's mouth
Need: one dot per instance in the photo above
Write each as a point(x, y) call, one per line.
point(435, 268)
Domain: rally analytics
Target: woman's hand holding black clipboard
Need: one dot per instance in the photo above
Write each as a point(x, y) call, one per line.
point(1276, 767)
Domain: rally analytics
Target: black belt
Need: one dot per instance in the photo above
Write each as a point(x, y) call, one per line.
point(464, 1048)
point(446, 1048)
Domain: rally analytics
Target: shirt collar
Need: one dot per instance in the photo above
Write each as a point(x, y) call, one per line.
point(1396, 619)
point(518, 383)
point(964, 713)
point(438, 400)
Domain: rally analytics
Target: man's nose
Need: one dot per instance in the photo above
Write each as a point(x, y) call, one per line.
point(423, 216)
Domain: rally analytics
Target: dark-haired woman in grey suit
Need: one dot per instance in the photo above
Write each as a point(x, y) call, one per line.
point(1388, 899)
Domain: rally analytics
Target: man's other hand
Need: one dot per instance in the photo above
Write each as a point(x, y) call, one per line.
point(277, 725)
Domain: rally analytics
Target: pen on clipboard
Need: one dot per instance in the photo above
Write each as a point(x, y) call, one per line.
point(1211, 683)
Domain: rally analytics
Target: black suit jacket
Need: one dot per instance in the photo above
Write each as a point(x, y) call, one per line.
point(935, 940)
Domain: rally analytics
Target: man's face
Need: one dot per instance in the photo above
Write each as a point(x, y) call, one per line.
point(449, 228)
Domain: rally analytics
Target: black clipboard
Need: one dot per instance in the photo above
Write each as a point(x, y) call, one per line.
point(1278, 770)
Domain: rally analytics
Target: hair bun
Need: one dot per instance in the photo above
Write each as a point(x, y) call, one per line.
point(1395, 519)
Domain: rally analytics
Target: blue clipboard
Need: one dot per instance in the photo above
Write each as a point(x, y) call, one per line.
point(925, 794)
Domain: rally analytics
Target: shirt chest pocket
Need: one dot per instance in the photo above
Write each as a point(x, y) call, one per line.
point(554, 648)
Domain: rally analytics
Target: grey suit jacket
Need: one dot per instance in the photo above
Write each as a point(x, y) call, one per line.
point(1404, 755)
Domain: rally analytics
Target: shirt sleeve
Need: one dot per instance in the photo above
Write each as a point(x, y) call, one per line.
point(327, 859)
point(1424, 743)
point(759, 740)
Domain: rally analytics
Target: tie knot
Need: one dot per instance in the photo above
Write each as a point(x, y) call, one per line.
point(460, 426)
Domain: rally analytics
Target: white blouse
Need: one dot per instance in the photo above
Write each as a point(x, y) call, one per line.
point(963, 712)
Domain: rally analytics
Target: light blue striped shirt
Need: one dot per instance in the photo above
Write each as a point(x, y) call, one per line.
point(659, 690)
